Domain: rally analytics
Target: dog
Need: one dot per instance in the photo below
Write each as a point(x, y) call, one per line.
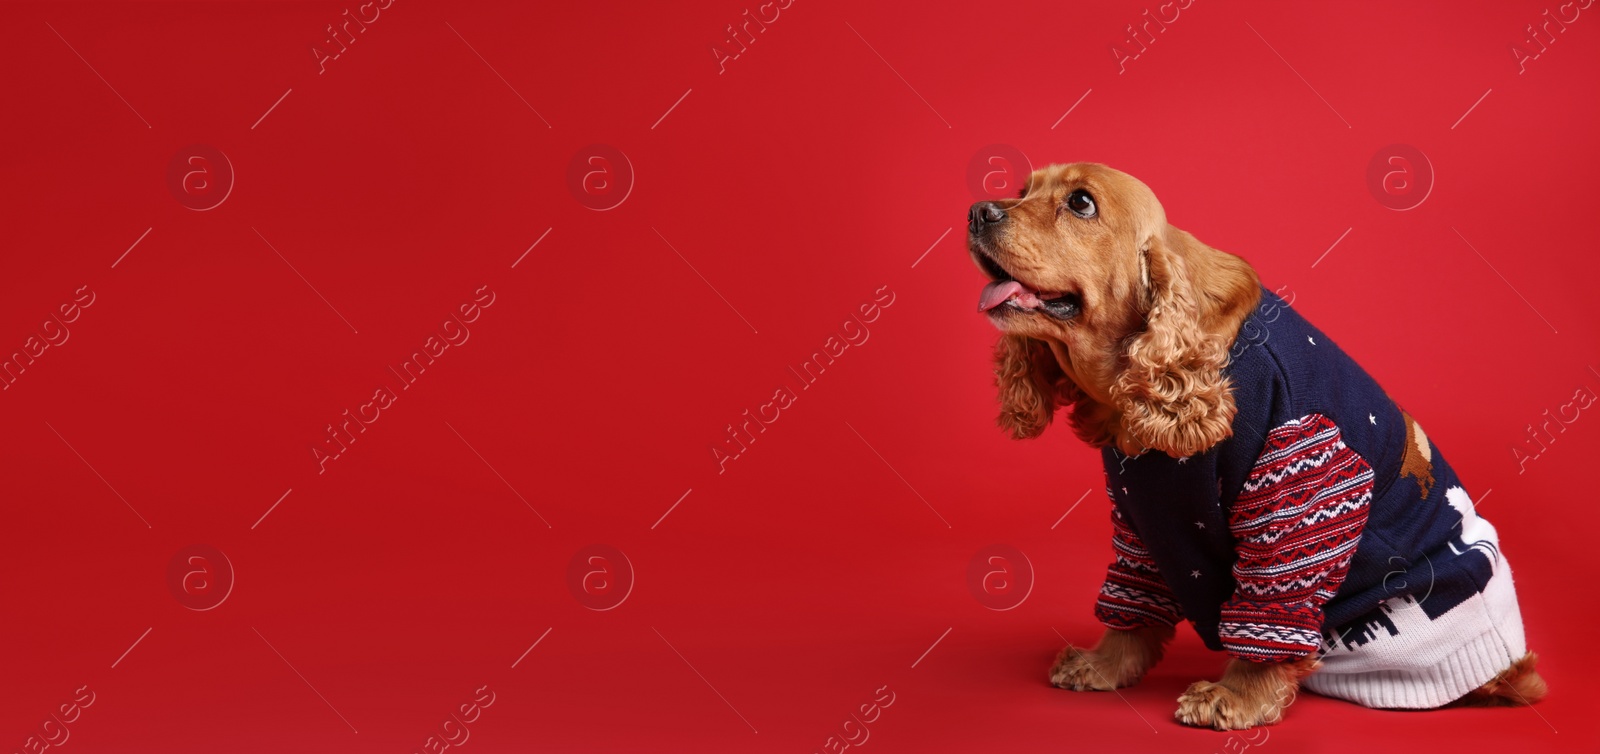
point(1263, 486)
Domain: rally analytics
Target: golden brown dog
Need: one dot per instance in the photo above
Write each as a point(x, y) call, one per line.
point(1126, 322)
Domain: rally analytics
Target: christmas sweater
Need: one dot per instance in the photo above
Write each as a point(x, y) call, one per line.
point(1283, 540)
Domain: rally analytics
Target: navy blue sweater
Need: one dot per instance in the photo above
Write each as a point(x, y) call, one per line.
point(1326, 500)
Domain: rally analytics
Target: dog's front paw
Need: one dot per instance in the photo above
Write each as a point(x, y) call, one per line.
point(1213, 705)
point(1083, 670)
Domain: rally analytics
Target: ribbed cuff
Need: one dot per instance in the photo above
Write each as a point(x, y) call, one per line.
point(1475, 663)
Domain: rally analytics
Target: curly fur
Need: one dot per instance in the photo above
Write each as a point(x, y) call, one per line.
point(1141, 366)
point(1026, 375)
point(1172, 394)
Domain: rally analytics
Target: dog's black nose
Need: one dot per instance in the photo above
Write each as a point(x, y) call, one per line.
point(984, 214)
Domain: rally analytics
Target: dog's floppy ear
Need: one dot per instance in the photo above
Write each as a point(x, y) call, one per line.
point(1031, 385)
point(1172, 395)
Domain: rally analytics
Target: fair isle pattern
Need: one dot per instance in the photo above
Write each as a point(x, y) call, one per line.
point(1235, 633)
point(1134, 594)
point(1297, 523)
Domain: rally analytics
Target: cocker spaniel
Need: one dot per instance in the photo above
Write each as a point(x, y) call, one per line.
point(1263, 486)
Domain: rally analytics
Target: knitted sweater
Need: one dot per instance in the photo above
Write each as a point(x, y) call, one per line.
point(1327, 500)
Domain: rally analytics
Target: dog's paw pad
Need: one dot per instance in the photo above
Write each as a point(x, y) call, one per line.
point(1079, 670)
point(1212, 705)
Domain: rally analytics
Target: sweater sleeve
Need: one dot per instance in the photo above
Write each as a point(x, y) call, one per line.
point(1134, 595)
point(1296, 522)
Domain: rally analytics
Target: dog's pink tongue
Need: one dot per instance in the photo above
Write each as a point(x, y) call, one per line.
point(995, 294)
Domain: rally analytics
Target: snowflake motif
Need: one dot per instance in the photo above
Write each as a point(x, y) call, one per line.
point(1124, 490)
point(1200, 524)
point(1309, 340)
point(1195, 574)
point(1373, 420)
point(1183, 460)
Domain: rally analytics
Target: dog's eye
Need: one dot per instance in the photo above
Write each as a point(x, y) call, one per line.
point(1081, 204)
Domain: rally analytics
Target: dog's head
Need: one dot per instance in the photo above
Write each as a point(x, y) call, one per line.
point(1106, 307)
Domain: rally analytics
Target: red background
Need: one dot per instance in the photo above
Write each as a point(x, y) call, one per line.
point(802, 178)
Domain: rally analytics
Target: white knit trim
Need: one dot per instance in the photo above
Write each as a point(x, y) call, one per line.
point(1431, 663)
point(1473, 664)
